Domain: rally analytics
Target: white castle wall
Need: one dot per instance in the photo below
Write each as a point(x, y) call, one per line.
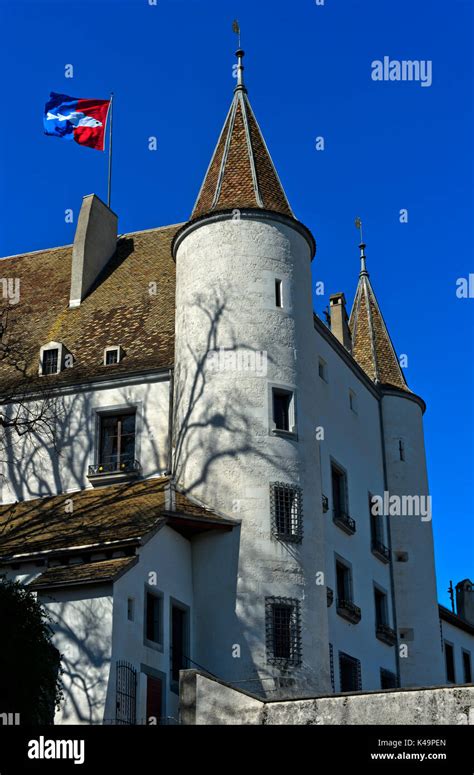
point(353, 440)
point(225, 452)
point(461, 641)
point(44, 472)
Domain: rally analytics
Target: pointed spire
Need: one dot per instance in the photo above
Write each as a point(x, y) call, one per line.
point(371, 344)
point(241, 173)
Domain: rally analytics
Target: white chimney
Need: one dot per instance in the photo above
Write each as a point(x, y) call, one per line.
point(95, 243)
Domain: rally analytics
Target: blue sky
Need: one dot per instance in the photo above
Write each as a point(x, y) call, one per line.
point(388, 146)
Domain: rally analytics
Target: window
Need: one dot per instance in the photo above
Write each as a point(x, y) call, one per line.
point(130, 609)
point(401, 449)
point(339, 491)
point(179, 641)
point(381, 615)
point(153, 617)
point(49, 362)
point(283, 631)
point(349, 673)
point(353, 401)
point(278, 293)
point(126, 693)
point(449, 656)
point(377, 534)
point(117, 441)
point(112, 355)
point(286, 511)
point(323, 370)
point(283, 410)
point(466, 663)
point(388, 680)
point(343, 582)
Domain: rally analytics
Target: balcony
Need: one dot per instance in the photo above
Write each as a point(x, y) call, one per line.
point(114, 470)
point(344, 521)
point(381, 551)
point(348, 610)
point(386, 634)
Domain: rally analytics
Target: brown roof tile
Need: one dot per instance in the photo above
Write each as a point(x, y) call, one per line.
point(118, 310)
point(118, 513)
point(241, 173)
point(83, 573)
point(371, 344)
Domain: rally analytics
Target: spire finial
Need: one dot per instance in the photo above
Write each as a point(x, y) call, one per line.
point(240, 55)
point(363, 268)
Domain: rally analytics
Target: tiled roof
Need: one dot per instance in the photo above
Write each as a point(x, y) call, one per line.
point(372, 347)
point(241, 173)
point(83, 573)
point(118, 310)
point(99, 517)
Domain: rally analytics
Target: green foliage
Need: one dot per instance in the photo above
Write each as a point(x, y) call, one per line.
point(30, 674)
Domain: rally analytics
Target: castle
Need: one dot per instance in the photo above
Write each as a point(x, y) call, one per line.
point(208, 500)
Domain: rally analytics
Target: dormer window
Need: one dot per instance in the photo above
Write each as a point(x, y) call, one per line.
point(51, 359)
point(112, 355)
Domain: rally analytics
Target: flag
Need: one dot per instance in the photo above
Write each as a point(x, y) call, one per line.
point(71, 118)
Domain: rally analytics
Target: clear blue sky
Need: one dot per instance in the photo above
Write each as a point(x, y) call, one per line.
point(388, 146)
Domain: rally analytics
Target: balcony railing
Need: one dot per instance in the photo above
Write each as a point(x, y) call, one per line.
point(348, 610)
point(381, 551)
point(386, 634)
point(122, 466)
point(344, 521)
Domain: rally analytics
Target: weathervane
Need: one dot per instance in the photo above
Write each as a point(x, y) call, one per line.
point(358, 224)
point(236, 29)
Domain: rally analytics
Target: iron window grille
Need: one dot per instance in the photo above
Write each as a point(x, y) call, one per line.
point(350, 675)
point(283, 631)
point(286, 504)
point(126, 693)
point(344, 521)
point(348, 610)
point(388, 680)
point(381, 551)
point(49, 363)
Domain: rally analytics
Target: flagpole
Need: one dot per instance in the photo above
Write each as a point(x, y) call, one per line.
point(109, 182)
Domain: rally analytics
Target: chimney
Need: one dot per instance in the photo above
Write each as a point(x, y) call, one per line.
point(95, 242)
point(465, 600)
point(339, 319)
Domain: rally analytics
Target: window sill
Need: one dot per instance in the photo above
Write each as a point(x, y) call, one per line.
point(284, 434)
point(385, 634)
point(349, 611)
point(345, 523)
point(151, 644)
point(98, 477)
point(381, 552)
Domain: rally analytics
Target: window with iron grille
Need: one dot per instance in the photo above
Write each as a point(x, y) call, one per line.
point(283, 631)
point(49, 363)
point(350, 676)
point(388, 680)
point(126, 693)
point(286, 504)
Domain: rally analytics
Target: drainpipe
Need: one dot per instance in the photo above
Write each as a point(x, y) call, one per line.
point(170, 424)
point(389, 536)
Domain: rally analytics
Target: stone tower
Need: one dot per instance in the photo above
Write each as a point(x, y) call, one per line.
point(244, 417)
